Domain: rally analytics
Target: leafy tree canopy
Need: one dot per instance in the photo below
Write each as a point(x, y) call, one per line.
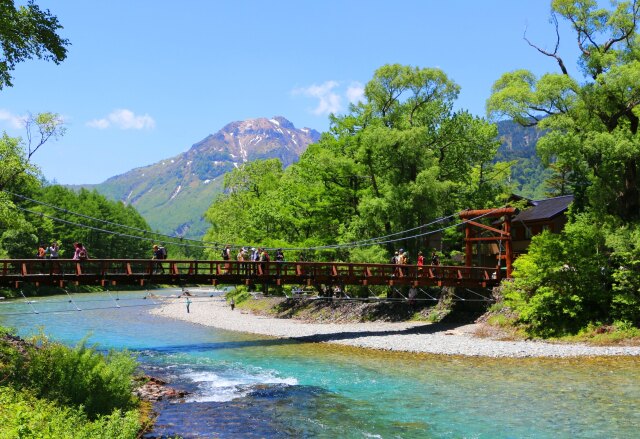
point(592, 121)
point(27, 32)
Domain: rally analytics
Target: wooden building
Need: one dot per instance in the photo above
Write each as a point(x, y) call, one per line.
point(548, 214)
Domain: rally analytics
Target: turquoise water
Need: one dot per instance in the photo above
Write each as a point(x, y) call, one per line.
point(252, 386)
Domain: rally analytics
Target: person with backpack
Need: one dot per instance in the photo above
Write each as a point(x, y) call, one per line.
point(158, 254)
point(255, 257)
point(264, 258)
point(226, 256)
point(80, 253)
point(226, 253)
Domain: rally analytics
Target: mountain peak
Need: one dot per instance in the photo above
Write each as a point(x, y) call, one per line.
point(259, 138)
point(172, 194)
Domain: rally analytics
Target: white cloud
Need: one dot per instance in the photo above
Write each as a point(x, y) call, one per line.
point(328, 100)
point(123, 119)
point(13, 120)
point(355, 93)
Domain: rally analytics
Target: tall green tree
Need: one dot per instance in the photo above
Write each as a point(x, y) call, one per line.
point(592, 119)
point(26, 32)
point(587, 274)
point(397, 160)
point(18, 174)
point(404, 157)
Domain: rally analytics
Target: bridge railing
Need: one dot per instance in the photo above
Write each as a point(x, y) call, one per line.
point(239, 271)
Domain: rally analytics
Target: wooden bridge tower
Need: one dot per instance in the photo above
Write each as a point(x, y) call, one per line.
point(500, 236)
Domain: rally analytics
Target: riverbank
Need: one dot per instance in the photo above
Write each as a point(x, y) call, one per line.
point(410, 336)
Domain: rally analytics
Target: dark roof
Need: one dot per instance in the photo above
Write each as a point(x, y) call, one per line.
point(545, 209)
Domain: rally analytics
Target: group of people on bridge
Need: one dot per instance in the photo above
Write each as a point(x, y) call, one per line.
point(401, 258)
point(52, 251)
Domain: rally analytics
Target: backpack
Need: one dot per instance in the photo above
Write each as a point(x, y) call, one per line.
point(225, 255)
point(83, 254)
point(163, 252)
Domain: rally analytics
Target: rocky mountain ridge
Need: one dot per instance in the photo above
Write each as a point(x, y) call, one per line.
point(172, 194)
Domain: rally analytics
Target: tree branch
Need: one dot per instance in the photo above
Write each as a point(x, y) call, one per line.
point(553, 54)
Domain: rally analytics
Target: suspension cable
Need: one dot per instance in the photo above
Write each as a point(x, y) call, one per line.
point(355, 244)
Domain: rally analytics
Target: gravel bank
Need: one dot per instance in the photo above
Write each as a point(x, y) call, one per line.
point(403, 336)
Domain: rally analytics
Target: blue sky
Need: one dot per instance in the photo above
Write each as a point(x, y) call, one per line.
point(144, 80)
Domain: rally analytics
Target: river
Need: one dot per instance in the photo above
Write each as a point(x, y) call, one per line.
point(246, 385)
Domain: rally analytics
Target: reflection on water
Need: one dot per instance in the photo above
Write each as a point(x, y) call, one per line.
point(253, 386)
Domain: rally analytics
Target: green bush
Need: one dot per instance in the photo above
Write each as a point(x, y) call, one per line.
point(625, 274)
point(78, 376)
point(22, 415)
point(561, 285)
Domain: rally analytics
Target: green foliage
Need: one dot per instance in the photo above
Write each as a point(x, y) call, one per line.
point(15, 170)
point(79, 377)
point(625, 274)
point(400, 159)
point(99, 244)
point(591, 123)
point(586, 275)
point(19, 244)
point(27, 32)
point(238, 294)
point(22, 415)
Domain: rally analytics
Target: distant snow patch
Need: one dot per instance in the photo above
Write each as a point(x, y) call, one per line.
point(304, 130)
point(172, 161)
point(207, 181)
point(274, 122)
point(189, 162)
point(176, 192)
point(235, 165)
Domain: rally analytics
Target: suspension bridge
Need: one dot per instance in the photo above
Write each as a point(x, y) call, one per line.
point(109, 272)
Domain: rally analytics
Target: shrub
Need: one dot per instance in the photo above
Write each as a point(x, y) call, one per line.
point(23, 415)
point(80, 376)
point(561, 284)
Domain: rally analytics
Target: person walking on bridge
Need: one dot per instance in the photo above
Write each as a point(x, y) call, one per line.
point(158, 254)
point(80, 253)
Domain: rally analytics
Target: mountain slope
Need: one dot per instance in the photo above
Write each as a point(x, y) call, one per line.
point(173, 194)
point(528, 175)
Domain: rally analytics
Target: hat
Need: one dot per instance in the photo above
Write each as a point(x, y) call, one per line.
point(155, 246)
point(253, 249)
point(401, 250)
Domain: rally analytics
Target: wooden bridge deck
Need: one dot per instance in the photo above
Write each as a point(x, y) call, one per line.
point(106, 272)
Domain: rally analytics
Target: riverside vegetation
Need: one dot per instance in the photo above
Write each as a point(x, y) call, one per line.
point(52, 391)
